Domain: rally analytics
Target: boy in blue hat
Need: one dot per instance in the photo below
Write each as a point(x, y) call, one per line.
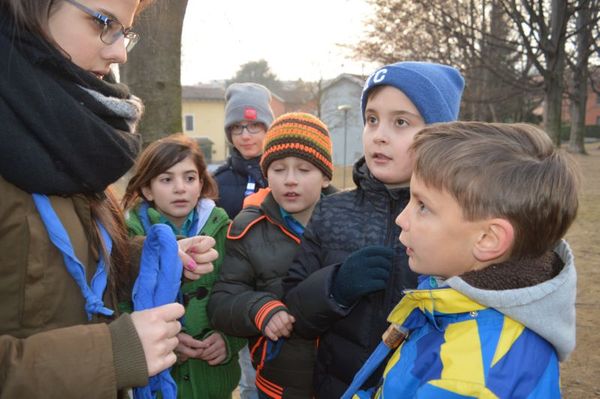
point(351, 270)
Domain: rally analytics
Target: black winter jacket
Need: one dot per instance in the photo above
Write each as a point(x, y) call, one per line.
point(341, 224)
point(232, 179)
point(259, 250)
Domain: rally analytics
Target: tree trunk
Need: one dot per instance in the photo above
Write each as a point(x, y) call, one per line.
point(153, 71)
point(580, 77)
point(576, 138)
point(553, 107)
point(555, 61)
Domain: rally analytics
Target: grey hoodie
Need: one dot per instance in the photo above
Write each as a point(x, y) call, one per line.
point(547, 308)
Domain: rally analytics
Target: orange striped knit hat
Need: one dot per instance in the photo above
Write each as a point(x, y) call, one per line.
point(298, 135)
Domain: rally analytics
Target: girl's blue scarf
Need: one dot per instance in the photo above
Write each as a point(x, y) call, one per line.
point(201, 214)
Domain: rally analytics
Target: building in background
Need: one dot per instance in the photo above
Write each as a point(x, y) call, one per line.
point(336, 102)
point(203, 113)
point(299, 96)
point(592, 111)
point(203, 109)
point(340, 110)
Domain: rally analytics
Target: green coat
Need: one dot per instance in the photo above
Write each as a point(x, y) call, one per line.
point(195, 378)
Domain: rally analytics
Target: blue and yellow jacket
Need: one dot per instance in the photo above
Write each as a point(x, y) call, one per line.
point(468, 342)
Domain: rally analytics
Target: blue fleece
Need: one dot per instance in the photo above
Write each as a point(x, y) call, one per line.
point(158, 284)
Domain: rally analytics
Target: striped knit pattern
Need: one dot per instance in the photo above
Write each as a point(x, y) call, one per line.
point(298, 135)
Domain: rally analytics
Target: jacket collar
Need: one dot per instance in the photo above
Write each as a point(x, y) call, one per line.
point(368, 183)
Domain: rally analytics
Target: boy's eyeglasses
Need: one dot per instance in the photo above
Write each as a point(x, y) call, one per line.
point(254, 127)
point(112, 30)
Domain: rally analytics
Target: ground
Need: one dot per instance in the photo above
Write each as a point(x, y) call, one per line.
point(580, 373)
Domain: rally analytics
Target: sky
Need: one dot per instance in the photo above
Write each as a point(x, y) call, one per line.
point(298, 39)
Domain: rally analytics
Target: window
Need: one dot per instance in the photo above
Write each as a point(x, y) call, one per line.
point(189, 123)
point(598, 120)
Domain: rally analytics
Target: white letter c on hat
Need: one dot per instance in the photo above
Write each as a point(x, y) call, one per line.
point(379, 75)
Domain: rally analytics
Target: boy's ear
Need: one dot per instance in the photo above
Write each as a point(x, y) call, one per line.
point(147, 193)
point(325, 183)
point(495, 240)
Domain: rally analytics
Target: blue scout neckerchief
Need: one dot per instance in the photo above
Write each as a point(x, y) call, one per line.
point(157, 284)
point(291, 222)
point(185, 226)
point(147, 223)
point(200, 216)
point(250, 186)
point(58, 235)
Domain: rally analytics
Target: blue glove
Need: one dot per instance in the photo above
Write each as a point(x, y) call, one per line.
point(363, 272)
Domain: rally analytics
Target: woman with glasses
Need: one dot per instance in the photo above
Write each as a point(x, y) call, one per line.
point(67, 132)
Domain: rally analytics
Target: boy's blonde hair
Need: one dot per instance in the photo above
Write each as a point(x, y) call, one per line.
point(511, 171)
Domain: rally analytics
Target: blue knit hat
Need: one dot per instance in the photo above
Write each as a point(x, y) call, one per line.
point(434, 89)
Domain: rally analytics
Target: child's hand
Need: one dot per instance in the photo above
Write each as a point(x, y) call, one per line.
point(157, 329)
point(197, 254)
point(281, 324)
point(364, 271)
point(189, 347)
point(216, 350)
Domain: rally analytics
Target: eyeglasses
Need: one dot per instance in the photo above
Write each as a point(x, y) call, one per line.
point(112, 30)
point(253, 127)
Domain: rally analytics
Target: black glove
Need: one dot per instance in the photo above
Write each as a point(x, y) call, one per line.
point(363, 272)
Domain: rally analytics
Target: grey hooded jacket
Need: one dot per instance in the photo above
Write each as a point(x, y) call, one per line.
point(547, 308)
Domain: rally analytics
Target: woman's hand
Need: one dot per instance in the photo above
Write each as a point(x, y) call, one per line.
point(157, 329)
point(197, 254)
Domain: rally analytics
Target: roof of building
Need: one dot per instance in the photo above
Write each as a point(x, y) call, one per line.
point(203, 92)
point(290, 92)
point(358, 79)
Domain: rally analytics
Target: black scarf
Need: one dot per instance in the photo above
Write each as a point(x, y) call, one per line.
point(62, 130)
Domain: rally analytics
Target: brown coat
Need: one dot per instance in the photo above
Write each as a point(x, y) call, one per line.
point(47, 346)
